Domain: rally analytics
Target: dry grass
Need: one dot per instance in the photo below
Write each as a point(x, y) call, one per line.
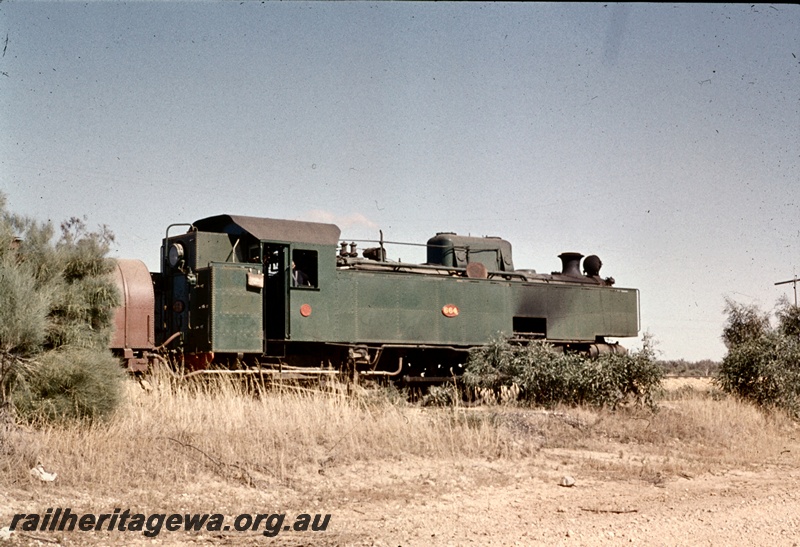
point(696, 430)
point(173, 433)
point(186, 436)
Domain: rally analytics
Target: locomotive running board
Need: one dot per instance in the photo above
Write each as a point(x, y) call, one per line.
point(284, 374)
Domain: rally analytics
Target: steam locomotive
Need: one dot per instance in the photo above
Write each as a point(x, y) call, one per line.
point(287, 297)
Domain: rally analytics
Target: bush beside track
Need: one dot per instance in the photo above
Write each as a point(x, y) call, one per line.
point(56, 310)
point(763, 361)
point(547, 377)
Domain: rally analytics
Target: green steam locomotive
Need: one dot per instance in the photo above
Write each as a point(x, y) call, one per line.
point(269, 296)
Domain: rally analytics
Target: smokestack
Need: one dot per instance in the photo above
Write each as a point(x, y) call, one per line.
point(570, 264)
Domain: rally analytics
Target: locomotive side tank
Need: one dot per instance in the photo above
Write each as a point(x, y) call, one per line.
point(229, 290)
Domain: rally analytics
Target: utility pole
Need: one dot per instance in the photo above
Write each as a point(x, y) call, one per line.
point(794, 284)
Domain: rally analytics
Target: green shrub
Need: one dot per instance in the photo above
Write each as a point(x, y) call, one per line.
point(24, 308)
point(56, 311)
point(546, 376)
point(788, 318)
point(67, 385)
point(763, 363)
point(744, 323)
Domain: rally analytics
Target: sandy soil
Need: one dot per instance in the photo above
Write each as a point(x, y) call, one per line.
point(412, 502)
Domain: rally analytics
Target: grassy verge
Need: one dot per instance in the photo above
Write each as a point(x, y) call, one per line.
point(191, 436)
point(173, 433)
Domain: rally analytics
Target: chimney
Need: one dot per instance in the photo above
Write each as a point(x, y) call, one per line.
point(570, 264)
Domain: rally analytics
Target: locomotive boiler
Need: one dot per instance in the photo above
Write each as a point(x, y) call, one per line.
point(283, 297)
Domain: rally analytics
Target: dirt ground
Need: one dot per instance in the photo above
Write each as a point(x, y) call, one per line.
point(615, 500)
point(489, 503)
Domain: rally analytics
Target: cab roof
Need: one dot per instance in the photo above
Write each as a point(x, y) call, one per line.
point(271, 229)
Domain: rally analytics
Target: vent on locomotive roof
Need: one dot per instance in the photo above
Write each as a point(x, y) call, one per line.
point(455, 251)
point(592, 265)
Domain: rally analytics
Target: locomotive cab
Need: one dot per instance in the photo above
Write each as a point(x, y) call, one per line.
point(228, 285)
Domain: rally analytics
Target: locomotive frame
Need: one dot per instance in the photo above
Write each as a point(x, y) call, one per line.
point(225, 294)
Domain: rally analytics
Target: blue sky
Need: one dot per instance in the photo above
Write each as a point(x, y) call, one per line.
point(663, 138)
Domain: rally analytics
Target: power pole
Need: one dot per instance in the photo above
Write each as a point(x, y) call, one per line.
point(794, 284)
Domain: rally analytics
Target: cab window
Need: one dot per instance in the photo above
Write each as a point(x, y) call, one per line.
point(303, 269)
